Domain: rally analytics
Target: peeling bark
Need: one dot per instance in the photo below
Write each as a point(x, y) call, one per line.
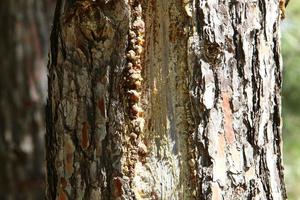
point(165, 100)
point(236, 45)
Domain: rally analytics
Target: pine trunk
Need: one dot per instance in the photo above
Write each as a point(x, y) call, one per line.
point(165, 100)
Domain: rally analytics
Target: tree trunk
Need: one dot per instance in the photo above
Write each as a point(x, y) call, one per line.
point(165, 100)
point(23, 87)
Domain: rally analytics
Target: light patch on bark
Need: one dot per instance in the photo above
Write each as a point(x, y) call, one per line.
point(228, 123)
point(69, 149)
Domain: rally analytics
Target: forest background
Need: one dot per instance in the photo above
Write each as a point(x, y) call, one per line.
point(291, 98)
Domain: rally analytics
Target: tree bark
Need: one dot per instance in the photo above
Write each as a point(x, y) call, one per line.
point(23, 87)
point(165, 100)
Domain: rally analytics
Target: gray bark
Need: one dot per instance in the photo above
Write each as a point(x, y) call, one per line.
point(165, 100)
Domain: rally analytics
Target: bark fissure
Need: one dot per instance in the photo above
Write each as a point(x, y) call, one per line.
point(188, 107)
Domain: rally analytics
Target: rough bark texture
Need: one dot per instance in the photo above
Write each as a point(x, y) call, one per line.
point(23, 48)
point(165, 100)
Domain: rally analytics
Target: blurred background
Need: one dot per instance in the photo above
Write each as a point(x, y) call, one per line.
point(290, 45)
point(24, 47)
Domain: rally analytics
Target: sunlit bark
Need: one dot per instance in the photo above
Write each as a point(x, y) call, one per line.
point(165, 100)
